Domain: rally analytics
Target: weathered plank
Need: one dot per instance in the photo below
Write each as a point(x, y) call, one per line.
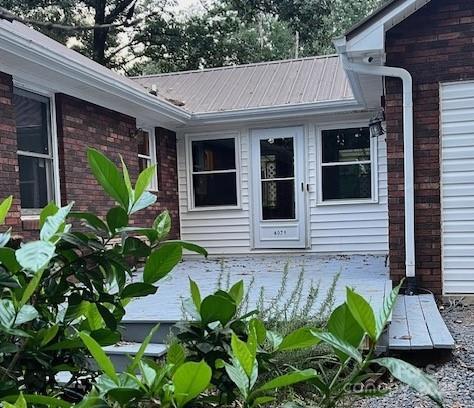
point(420, 336)
point(440, 335)
point(398, 333)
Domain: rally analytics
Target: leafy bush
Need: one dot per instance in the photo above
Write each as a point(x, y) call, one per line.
point(76, 280)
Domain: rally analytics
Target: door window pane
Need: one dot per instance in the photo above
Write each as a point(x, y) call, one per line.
point(347, 182)
point(277, 158)
point(278, 200)
point(31, 117)
point(214, 154)
point(346, 145)
point(215, 189)
point(34, 181)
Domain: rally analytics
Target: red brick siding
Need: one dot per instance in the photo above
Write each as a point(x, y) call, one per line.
point(436, 44)
point(82, 125)
point(9, 180)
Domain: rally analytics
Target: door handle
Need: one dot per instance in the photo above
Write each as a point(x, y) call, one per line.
point(302, 187)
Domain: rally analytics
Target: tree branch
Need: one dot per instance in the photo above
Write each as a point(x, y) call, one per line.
point(7, 15)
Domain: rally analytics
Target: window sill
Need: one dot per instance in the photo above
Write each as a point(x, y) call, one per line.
point(30, 222)
point(347, 202)
point(215, 208)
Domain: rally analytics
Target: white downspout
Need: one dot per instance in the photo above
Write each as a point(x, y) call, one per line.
point(405, 76)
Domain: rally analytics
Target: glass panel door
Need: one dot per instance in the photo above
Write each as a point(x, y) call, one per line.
point(277, 178)
point(277, 172)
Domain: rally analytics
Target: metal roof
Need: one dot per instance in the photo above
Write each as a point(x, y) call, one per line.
point(269, 84)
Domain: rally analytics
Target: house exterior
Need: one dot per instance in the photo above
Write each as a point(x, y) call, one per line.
point(274, 157)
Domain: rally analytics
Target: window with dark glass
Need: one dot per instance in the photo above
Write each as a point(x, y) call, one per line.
point(214, 172)
point(35, 158)
point(346, 166)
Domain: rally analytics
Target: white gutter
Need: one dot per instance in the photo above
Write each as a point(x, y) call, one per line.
point(405, 76)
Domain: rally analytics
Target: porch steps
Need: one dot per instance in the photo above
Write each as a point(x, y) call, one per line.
point(417, 325)
point(120, 353)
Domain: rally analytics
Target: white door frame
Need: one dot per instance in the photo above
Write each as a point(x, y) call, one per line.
point(279, 234)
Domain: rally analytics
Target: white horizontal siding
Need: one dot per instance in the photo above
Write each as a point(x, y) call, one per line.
point(457, 178)
point(348, 228)
point(219, 231)
point(337, 229)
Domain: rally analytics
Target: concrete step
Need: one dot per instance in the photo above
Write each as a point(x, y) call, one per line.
point(120, 353)
point(135, 331)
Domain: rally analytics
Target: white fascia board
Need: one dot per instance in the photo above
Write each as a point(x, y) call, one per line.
point(126, 92)
point(273, 112)
point(372, 39)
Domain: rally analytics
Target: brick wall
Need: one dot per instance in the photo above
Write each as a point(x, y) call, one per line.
point(435, 44)
point(9, 181)
point(82, 125)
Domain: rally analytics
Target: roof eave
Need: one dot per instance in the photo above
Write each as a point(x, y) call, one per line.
point(272, 112)
point(126, 94)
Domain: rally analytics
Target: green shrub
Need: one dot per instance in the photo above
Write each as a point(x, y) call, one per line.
point(76, 280)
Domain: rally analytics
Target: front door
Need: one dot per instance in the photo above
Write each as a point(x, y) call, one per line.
point(278, 188)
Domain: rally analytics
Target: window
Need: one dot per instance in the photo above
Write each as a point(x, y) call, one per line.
point(147, 154)
point(35, 157)
point(346, 164)
point(214, 172)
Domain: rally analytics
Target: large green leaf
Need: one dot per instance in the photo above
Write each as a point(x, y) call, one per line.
point(215, 308)
point(138, 289)
point(288, 379)
point(141, 351)
point(162, 224)
point(190, 380)
point(31, 287)
point(8, 259)
point(35, 399)
point(384, 314)
point(243, 353)
point(91, 220)
point(189, 246)
point(195, 294)
point(161, 262)
point(108, 176)
point(143, 181)
point(27, 313)
point(342, 324)
point(117, 218)
point(50, 209)
point(298, 339)
point(412, 376)
point(339, 345)
point(238, 376)
point(35, 255)
point(4, 208)
point(7, 280)
point(5, 237)
point(176, 354)
point(55, 223)
point(135, 247)
point(145, 200)
point(10, 318)
point(102, 360)
point(237, 292)
point(362, 312)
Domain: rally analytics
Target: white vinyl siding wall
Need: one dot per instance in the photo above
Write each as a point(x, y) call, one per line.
point(457, 191)
point(332, 229)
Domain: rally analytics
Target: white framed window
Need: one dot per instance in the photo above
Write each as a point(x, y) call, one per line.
point(213, 162)
point(146, 145)
point(36, 150)
point(347, 165)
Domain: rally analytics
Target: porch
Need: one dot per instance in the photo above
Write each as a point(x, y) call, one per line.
point(367, 274)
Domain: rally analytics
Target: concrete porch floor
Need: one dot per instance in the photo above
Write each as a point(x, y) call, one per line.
point(368, 274)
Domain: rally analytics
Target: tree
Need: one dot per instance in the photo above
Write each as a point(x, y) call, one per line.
point(100, 29)
point(245, 31)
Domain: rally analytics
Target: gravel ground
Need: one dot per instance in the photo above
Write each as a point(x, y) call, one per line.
point(454, 372)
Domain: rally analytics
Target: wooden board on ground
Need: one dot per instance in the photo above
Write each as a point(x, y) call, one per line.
point(417, 325)
point(398, 334)
point(440, 335)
